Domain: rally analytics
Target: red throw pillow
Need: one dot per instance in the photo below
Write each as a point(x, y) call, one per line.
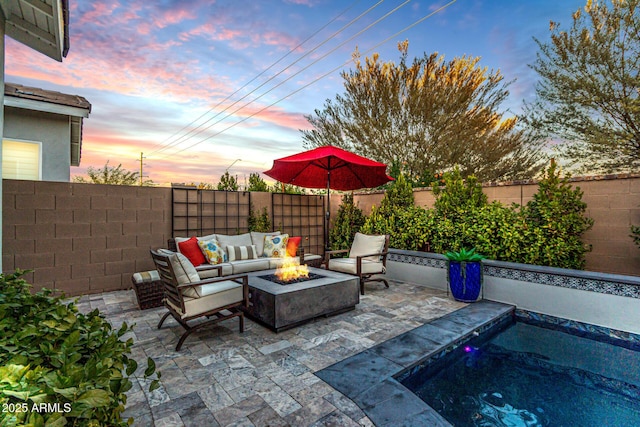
point(191, 250)
point(292, 245)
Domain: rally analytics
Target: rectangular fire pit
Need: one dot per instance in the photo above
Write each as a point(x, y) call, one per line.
point(280, 307)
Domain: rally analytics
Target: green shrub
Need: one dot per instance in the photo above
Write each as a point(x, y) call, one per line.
point(558, 212)
point(346, 224)
point(50, 354)
point(547, 231)
point(399, 195)
point(635, 234)
point(259, 222)
point(458, 197)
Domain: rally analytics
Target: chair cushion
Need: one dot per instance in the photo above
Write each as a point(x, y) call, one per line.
point(214, 295)
point(191, 250)
point(275, 246)
point(185, 273)
point(292, 245)
point(365, 244)
point(257, 238)
point(145, 277)
point(236, 253)
point(348, 265)
point(212, 251)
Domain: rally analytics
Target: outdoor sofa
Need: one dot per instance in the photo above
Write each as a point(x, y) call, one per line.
point(248, 260)
point(243, 259)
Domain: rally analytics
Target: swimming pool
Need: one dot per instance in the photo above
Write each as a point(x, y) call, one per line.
point(520, 374)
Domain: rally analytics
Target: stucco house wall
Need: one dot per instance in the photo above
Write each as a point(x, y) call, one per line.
point(52, 130)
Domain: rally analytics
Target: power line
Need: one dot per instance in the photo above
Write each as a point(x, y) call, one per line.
point(353, 21)
point(368, 27)
point(424, 18)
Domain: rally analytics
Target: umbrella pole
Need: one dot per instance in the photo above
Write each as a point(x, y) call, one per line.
point(327, 243)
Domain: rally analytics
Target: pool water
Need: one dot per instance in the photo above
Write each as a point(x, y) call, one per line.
point(528, 375)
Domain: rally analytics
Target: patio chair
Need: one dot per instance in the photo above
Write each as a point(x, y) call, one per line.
point(187, 297)
point(367, 257)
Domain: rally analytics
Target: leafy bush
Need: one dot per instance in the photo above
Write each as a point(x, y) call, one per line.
point(399, 195)
point(558, 212)
point(458, 197)
point(347, 223)
point(409, 228)
point(259, 222)
point(635, 234)
point(58, 366)
point(547, 231)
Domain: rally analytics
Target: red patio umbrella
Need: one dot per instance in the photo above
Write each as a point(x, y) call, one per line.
point(331, 168)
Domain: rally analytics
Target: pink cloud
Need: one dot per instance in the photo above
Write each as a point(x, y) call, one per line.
point(280, 39)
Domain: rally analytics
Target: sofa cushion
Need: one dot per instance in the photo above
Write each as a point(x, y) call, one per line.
point(179, 240)
point(185, 273)
point(365, 244)
point(257, 238)
point(348, 265)
point(212, 251)
point(236, 253)
point(214, 295)
point(237, 240)
point(191, 250)
point(292, 245)
point(247, 265)
point(205, 272)
point(275, 246)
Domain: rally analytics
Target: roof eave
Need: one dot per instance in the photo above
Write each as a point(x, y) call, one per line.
point(47, 107)
point(52, 41)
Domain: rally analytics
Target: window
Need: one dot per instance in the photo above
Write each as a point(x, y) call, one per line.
point(21, 160)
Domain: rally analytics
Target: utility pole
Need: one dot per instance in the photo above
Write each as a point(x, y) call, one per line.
point(141, 157)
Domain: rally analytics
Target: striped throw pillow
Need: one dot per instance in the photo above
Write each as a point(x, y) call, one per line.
point(241, 252)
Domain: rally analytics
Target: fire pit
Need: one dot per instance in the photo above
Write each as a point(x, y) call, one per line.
point(275, 279)
point(278, 307)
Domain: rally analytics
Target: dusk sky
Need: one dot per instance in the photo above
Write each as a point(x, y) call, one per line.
point(159, 74)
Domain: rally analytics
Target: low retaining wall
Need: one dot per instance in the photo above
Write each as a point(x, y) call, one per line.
point(601, 299)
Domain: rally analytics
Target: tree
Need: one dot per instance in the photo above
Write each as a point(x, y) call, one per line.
point(428, 115)
point(256, 183)
point(280, 187)
point(589, 92)
point(228, 182)
point(114, 175)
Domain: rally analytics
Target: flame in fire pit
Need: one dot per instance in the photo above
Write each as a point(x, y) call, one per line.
point(291, 270)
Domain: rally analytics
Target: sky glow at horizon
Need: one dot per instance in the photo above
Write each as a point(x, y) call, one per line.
point(150, 69)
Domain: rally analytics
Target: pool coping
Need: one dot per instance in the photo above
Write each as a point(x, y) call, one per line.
point(369, 378)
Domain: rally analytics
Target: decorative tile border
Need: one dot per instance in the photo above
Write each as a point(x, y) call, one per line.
point(599, 333)
point(428, 259)
point(611, 284)
point(564, 281)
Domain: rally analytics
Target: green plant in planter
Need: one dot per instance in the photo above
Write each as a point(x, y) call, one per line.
point(464, 255)
point(59, 366)
point(465, 274)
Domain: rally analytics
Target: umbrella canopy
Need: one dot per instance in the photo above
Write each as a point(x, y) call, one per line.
point(331, 168)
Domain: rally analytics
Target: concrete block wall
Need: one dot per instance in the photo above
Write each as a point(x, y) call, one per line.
point(612, 201)
point(82, 238)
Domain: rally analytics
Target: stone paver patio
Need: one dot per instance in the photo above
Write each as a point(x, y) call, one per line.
point(260, 378)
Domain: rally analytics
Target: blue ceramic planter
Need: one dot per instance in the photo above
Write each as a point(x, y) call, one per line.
point(465, 280)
